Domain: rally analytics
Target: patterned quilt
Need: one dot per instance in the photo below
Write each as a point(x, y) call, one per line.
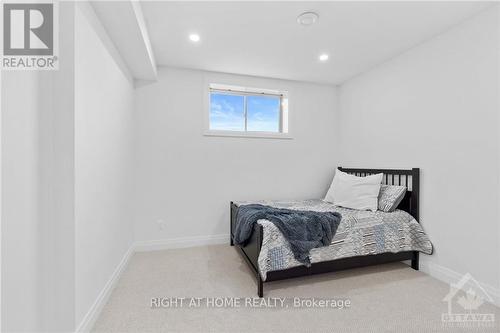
point(359, 233)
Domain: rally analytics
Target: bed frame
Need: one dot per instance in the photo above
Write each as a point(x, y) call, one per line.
point(250, 252)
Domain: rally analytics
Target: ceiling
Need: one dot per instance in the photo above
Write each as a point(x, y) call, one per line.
point(264, 38)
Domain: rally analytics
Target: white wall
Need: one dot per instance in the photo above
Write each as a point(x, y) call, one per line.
point(67, 179)
point(187, 179)
point(436, 107)
point(37, 193)
point(20, 220)
point(103, 161)
point(57, 182)
point(1, 200)
point(498, 138)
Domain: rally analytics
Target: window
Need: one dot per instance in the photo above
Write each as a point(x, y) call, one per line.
point(239, 111)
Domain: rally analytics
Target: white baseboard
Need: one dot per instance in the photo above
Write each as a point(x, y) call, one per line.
point(162, 244)
point(176, 243)
point(95, 310)
point(450, 276)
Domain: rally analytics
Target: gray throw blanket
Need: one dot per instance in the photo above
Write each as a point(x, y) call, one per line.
point(304, 230)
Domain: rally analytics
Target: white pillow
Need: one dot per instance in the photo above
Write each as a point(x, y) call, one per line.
point(355, 192)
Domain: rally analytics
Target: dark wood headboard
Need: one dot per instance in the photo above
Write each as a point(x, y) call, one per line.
point(409, 178)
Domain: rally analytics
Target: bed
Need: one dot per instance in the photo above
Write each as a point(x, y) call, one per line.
point(363, 238)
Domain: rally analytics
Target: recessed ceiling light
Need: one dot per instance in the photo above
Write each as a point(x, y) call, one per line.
point(307, 18)
point(194, 38)
point(323, 57)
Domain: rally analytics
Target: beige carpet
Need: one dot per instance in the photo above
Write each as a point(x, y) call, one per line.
point(385, 298)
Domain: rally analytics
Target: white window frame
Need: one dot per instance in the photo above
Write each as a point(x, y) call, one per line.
point(284, 132)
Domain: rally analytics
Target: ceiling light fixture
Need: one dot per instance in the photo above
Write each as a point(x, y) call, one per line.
point(194, 38)
point(307, 19)
point(323, 57)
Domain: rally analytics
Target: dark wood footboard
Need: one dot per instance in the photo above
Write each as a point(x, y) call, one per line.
point(251, 250)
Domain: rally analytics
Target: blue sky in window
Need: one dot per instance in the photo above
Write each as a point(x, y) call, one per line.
point(227, 113)
point(263, 113)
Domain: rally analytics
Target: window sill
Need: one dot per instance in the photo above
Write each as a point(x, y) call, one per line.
point(258, 135)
